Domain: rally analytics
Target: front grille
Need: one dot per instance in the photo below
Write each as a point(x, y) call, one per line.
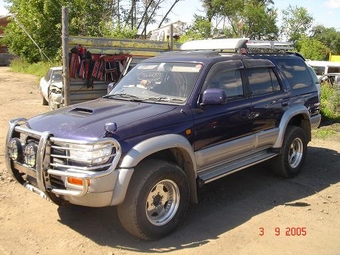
point(57, 182)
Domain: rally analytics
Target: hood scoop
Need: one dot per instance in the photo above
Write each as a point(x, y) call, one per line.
point(78, 111)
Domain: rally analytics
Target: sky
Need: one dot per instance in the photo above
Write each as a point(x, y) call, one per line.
point(324, 12)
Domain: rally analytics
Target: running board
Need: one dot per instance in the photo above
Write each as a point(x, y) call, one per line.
point(213, 173)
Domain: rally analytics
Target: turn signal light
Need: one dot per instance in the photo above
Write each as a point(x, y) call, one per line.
point(77, 181)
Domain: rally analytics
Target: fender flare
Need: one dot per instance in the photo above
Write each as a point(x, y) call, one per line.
point(287, 116)
point(155, 144)
point(163, 142)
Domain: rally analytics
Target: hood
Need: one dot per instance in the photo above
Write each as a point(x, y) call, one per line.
point(87, 120)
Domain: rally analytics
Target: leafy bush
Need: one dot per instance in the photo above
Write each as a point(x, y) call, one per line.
point(330, 102)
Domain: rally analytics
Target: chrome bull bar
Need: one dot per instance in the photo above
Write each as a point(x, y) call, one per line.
point(42, 171)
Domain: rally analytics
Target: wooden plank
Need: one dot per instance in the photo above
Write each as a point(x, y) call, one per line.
point(80, 93)
point(65, 59)
point(82, 97)
point(120, 45)
point(115, 51)
point(117, 43)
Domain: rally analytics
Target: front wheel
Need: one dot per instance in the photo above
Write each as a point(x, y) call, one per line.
point(156, 201)
point(53, 104)
point(293, 153)
point(44, 101)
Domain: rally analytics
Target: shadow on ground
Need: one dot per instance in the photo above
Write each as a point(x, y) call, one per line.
point(224, 205)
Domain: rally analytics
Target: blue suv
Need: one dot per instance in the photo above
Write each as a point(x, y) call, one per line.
point(174, 123)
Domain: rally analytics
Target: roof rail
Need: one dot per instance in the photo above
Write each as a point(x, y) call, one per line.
point(236, 45)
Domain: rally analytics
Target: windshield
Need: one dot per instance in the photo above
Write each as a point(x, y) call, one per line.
point(57, 76)
point(158, 82)
point(319, 70)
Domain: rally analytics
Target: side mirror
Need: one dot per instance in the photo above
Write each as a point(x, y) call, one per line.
point(110, 86)
point(214, 97)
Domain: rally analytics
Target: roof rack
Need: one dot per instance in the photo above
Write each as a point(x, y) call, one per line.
point(216, 44)
point(275, 45)
point(241, 45)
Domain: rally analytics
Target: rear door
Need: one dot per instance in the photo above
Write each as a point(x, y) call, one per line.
point(217, 127)
point(268, 100)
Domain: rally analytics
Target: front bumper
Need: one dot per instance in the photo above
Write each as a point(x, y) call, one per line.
point(99, 186)
point(56, 98)
point(315, 121)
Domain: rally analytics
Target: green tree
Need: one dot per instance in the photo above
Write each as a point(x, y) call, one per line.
point(32, 26)
point(34, 34)
point(255, 19)
point(89, 18)
point(35, 29)
point(312, 48)
point(201, 29)
point(328, 36)
point(259, 21)
point(296, 23)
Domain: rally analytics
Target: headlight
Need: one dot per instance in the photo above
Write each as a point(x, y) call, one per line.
point(15, 149)
point(30, 154)
point(92, 154)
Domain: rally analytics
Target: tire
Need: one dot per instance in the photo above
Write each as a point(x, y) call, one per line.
point(156, 201)
point(293, 153)
point(53, 105)
point(44, 101)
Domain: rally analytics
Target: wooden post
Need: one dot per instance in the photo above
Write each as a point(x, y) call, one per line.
point(171, 36)
point(65, 57)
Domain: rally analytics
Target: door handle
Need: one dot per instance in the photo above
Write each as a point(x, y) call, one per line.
point(244, 113)
point(285, 103)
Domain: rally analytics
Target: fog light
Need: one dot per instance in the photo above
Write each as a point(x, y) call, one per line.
point(15, 149)
point(30, 154)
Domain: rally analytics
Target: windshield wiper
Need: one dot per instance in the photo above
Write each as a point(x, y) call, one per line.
point(163, 99)
point(124, 96)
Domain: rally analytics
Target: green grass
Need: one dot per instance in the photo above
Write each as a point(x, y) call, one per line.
point(39, 69)
point(324, 133)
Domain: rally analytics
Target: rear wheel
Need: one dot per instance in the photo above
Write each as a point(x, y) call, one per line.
point(156, 201)
point(293, 153)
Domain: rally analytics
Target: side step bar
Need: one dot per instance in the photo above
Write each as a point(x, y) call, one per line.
point(215, 172)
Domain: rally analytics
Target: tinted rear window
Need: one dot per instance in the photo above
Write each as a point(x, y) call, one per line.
point(296, 72)
point(262, 81)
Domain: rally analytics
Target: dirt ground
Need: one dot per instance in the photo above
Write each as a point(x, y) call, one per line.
point(250, 212)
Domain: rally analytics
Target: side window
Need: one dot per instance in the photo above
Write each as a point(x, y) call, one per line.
point(230, 81)
point(48, 75)
point(262, 81)
point(334, 69)
point(319, 70)
point(296, 72)
point(226, 75)
point(275, 81)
